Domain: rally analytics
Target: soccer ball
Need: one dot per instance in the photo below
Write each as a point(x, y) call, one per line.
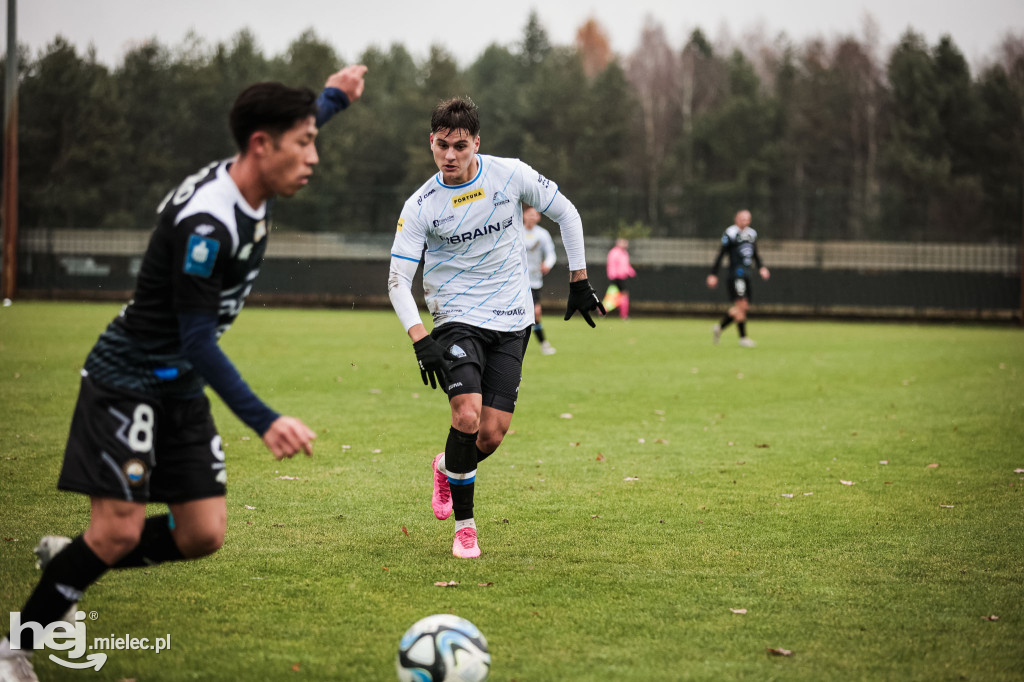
point(443, 648)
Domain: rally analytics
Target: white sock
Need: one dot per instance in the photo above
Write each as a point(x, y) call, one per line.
point(440, 465)
point(468, 523)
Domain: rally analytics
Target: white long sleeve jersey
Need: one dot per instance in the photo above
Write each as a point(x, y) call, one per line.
point(471, 240)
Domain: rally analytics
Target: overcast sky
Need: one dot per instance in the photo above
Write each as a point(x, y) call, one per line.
point(465, 29)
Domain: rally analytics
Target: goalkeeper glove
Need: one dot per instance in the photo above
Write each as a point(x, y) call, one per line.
point(435, 361)
point(583, 298)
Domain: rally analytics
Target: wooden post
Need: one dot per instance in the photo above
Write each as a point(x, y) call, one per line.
point(10, 162)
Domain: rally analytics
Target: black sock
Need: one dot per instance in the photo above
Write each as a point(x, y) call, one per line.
point(538, 329)
point(742, 326)
point(725, 321)
point(481, 455)
point(61, 585)
point(156, 545)
point(460, 462)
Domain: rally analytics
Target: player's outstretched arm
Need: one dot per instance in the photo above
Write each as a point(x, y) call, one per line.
point(349, 80)
point(287, 436)
point(582, 297)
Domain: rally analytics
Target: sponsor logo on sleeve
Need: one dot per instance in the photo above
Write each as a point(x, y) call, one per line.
point(468, 198)
point(401, 222)
point(201, 255)
point(420, 198)
point(544, 182)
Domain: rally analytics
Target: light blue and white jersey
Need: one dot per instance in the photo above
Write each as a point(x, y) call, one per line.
point(475, 265)
point(540, 250)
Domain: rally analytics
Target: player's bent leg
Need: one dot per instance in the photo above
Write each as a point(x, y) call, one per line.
point(115, 527)
point(200, 525)
point(494, 424)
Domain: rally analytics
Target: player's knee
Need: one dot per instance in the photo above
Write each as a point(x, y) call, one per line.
point(466, 419)
point(113, 541)
point(201, 542)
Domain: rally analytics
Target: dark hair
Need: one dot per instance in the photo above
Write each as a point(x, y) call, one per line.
point(272, 107)
point(457, 113)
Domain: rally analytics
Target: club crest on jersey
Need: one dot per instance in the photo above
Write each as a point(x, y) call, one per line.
point(135, 472)
point(204, 229)
point(261, 231)
point(456, 351)
point(500, 198)
point(468, 198)
point(201, 255)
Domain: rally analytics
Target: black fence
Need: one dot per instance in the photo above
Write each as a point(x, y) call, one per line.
point(829, 279)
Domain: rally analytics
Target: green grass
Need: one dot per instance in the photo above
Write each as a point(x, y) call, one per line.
point(594, 576)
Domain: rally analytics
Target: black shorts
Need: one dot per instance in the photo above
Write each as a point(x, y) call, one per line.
point(489, 362)
point(142, 448)
point(536, 296)
point(739, 287)
point(620, 283)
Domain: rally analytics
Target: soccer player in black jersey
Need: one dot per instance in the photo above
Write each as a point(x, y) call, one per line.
point(740, 242)
point(142, 429)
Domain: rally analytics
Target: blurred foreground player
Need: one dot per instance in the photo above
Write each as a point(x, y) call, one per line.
point(142, 429)
point(466, 223)
point(740, 243)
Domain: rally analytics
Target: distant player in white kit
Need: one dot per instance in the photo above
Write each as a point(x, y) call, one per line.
point(466, 223)
point(540, 258)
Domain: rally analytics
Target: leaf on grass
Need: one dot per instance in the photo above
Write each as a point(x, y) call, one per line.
point(279, 525)
point(450, 583)
point(631, 478)
point(246, 438)
point(375, 452)
point(565, 415)
point(10, 539)
point(946, 506)
point(933, 465)
point(485, 584)
point(1016, 471)
point(346, 447)
point(786, 495)
point(640, 440)
point(808, 493)
point(659, 412)
point(385, 568)
point(574, 445)
point(295, 668)
point(595, 516)
point(846, 482)
point(405, 531)
point(739, 611)
point(883, 461)
point(662, 441)
point(762, 445)
point(780, 652)
point(375, 391)
point(600, 457)
point(249, 506)
point(990, 617)
point(288, 478)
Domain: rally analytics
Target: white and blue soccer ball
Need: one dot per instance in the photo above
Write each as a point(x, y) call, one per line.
point(443, 648)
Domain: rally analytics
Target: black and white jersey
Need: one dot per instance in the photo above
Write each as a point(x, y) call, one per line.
point(202, 257)
point(741, 246)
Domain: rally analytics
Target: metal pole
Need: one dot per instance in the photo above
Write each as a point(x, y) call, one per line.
point(10, 170)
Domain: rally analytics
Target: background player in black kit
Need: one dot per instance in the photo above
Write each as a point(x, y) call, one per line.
point(142, 429)
point(740, 242)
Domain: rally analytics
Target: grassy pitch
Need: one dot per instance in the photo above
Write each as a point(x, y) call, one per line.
point(664, 509)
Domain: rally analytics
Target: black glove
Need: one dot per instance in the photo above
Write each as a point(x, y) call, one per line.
point(435, 361)
point(583, 298)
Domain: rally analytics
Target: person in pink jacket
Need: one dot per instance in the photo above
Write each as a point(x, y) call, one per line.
point(619, 270)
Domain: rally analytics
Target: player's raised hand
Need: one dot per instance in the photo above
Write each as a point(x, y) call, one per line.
point(435, 361)
point(349, 80)
point(288, 436)
point(583, 298)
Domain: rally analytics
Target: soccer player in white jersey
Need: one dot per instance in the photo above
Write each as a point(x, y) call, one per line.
point(466, 224)
point(540, 258)
point(740, 242)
